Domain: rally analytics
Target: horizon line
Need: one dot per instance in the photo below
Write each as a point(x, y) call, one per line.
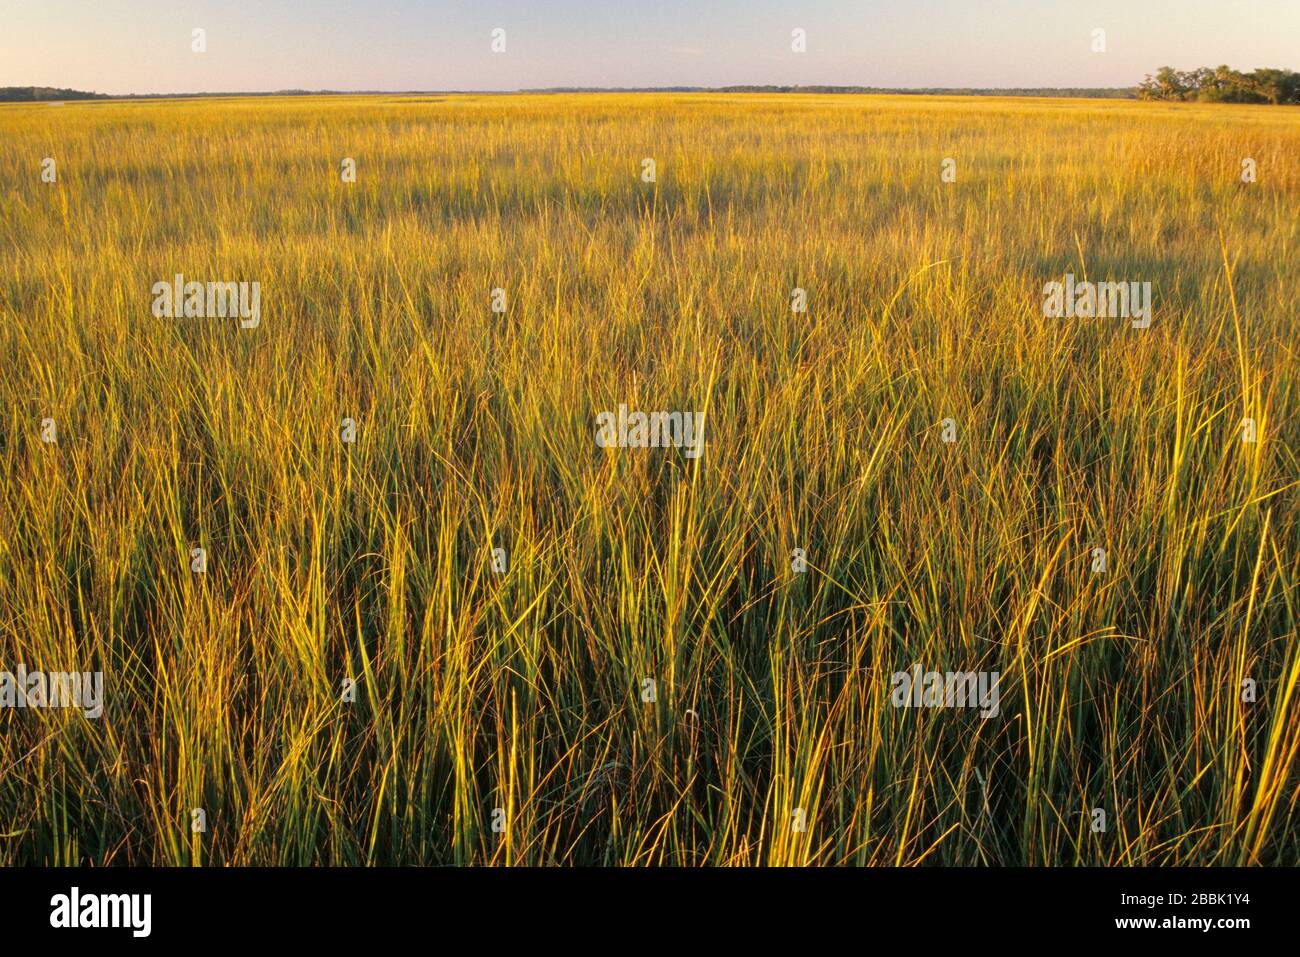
point(820, 88)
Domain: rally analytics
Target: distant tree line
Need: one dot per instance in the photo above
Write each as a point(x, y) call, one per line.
point(25, 94)
point(1054, 91)
point(29, 94)
point(1221, 85)
point(1114, 93)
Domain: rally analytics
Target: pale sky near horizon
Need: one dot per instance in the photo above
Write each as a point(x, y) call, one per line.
point(144, 46)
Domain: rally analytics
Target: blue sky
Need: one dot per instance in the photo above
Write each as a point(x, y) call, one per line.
point(141, 46)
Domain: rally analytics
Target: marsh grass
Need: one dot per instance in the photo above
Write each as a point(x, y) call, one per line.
point(521, 691)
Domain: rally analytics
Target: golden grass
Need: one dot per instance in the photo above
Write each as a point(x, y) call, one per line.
point(522, 691)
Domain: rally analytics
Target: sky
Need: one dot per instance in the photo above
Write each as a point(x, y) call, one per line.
point(145, 46)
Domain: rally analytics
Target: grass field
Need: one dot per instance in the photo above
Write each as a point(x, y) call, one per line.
point(771, 737)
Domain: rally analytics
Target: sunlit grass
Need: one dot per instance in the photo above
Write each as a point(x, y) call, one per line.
point(521, 691)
